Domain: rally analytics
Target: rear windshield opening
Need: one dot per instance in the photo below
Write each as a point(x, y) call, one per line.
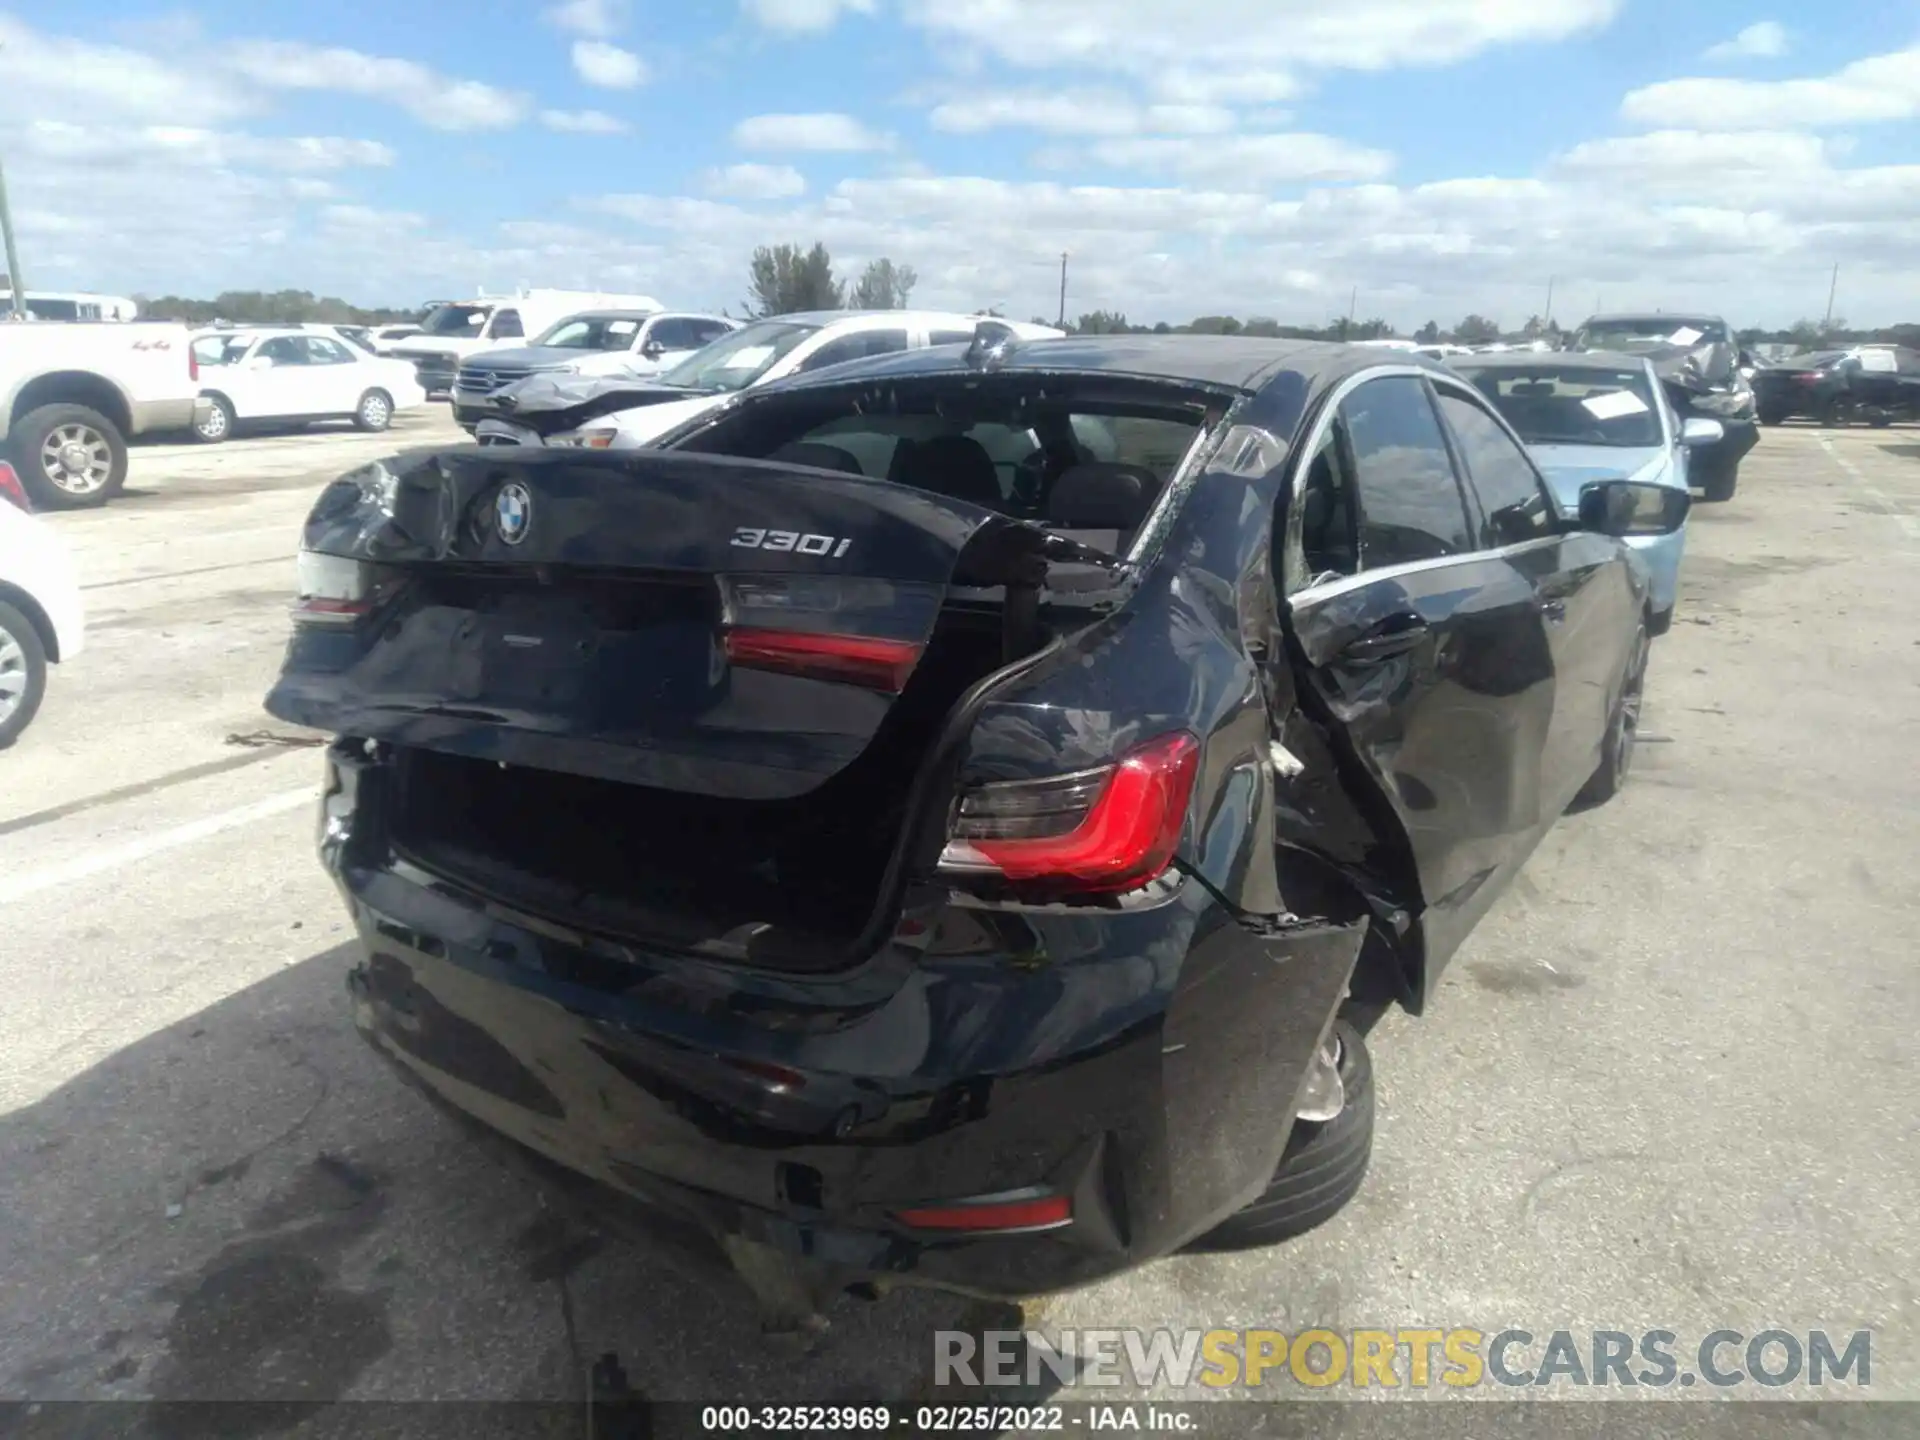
point(1088, 463)
point(687, 869)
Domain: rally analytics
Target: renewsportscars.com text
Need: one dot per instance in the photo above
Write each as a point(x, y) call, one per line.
point(1410, 1358)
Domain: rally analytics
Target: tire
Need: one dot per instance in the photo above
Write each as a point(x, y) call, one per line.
point(1717, 485)
point(1322, 1169)
point(68, 457)
point(1771, 415)
point(1623, 728)
point(1660, 622)
point(218, 425)
point(1839, 411)
point(374, 412)
point(23, 673)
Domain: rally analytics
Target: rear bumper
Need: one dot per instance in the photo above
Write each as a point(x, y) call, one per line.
point(1146, 1064)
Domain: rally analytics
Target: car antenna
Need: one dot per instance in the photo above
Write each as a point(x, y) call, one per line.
point(993, 341)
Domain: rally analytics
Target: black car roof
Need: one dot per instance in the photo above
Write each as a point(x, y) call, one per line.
point(1550, 360)
point(1231, 362)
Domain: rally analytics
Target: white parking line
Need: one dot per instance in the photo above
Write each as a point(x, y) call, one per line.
point(1909, 525)
point(18, 887)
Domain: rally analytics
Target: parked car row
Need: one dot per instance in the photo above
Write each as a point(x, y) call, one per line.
point(297, 375)
point(1878, 384)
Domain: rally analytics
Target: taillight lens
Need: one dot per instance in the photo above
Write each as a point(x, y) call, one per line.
point(1100, 831)
point(1810, 378)
point(850, 659)
point(334, 590)
point(1010, 1214)
point(12, 490)
point(193, 365)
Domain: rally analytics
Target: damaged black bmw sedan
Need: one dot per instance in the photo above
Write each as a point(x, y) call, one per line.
point(950, 818)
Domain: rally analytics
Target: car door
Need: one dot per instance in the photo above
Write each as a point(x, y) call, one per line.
point(669, 340)
point(1425, 646)
point(1586, 601)
point(335, 377)
point(1907, 370)
point(279, 379)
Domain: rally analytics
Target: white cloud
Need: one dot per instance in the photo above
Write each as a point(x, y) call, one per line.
point(1243, 160)
point(1074, 112)
point(584, 122)
point(597, 18)
point(126, 148)
point(598, 63)
point(755, 182)
point(807, 132)
point(365, 217)
point(804, 16)
point(1881, 87)
point(1225, 50)
point(440, 101)
point(51, 77)
point(1764, 40)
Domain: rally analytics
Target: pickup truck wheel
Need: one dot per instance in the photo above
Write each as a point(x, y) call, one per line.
point(69, 457)
point(1839, 411)
point(374, 412)
point(1623, 729)
point(217, 424)
point(1718, 484)
point(23, 673)
point(1322, 1168)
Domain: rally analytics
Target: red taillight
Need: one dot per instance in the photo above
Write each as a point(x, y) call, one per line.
point(1043, 1212)
point(850, 659)
point(1099, 832)
point(1809, 378)
point(193, 365)
point(12, 490)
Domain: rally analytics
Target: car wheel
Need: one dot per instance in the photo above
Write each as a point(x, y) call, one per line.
point(1623, 729)
point(1839, 411)
point(374, 412)
point(1718, 484)
point(1660, 622)
point(1322, 1168)
point(217, 424)
point(69, 457)
point(1771, 415)
point(23, 673)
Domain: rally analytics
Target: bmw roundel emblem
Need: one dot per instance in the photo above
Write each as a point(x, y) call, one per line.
point(513, 508)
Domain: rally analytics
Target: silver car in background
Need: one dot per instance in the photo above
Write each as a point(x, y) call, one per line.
point(1598, 416)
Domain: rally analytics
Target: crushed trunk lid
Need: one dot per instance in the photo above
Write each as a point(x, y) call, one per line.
point(704, 624)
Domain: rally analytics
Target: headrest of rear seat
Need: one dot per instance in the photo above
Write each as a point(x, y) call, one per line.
point(820, 457)
point(1100, 495)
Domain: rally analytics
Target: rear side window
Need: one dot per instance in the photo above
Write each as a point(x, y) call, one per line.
point(1410, 503)
point(506, 325)
point(950, 337)
point(1510, 494)
point(705, 332)
point(673, 333)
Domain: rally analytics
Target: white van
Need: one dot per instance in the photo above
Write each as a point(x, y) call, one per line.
point(451, 332)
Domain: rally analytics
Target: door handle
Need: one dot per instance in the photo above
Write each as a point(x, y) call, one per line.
point(1393, 636)
point(1554, 610)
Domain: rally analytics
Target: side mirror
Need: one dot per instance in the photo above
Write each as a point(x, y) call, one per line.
point(653, 349)
point(1626, 508)
point(1699, 430)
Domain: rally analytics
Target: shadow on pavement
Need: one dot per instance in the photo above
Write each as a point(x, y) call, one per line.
point(246, 1205)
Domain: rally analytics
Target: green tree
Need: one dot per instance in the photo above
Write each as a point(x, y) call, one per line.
point(882, 286)
point(1374, 329)
point(783, 279)
point(1103, 322)
point(1214, 325)
point(1429, 333)
point(1476, 330)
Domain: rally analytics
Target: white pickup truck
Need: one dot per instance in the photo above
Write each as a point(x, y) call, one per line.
point(72, 395)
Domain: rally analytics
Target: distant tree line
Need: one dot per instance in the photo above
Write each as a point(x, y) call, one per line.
point(276, 307)
point(784, 279)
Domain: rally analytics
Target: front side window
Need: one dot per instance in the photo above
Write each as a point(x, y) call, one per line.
point(1510, 493)
point(507, 326)
point(455, 320)
point(739, 359)
point(861, 345)
point(327, 352)
point(285, 350)
point(1410, 503)
point(591, 332)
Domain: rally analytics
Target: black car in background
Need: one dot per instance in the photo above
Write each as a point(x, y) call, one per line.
point(869, 829)
point(1699, 363)
point(1878, 384)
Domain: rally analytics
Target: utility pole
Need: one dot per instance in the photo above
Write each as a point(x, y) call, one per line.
point(15, 282)
point(1833, 288)
point(1062, 322)
point(1547, 319)
point(1353, 301)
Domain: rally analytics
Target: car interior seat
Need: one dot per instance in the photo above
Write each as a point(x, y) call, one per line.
point(952, 465)
point(818, 457)
point(1101, 503)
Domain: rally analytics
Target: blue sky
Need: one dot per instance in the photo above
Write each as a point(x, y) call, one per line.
point(1249, 156)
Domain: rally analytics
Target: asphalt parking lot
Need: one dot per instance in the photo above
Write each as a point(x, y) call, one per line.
point(1669, 1084)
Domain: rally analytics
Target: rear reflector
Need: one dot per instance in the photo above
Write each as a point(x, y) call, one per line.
point(335, 590)
point(1098, 832)
point(11, 490)
point(849, 659)
point(1029, 1213)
